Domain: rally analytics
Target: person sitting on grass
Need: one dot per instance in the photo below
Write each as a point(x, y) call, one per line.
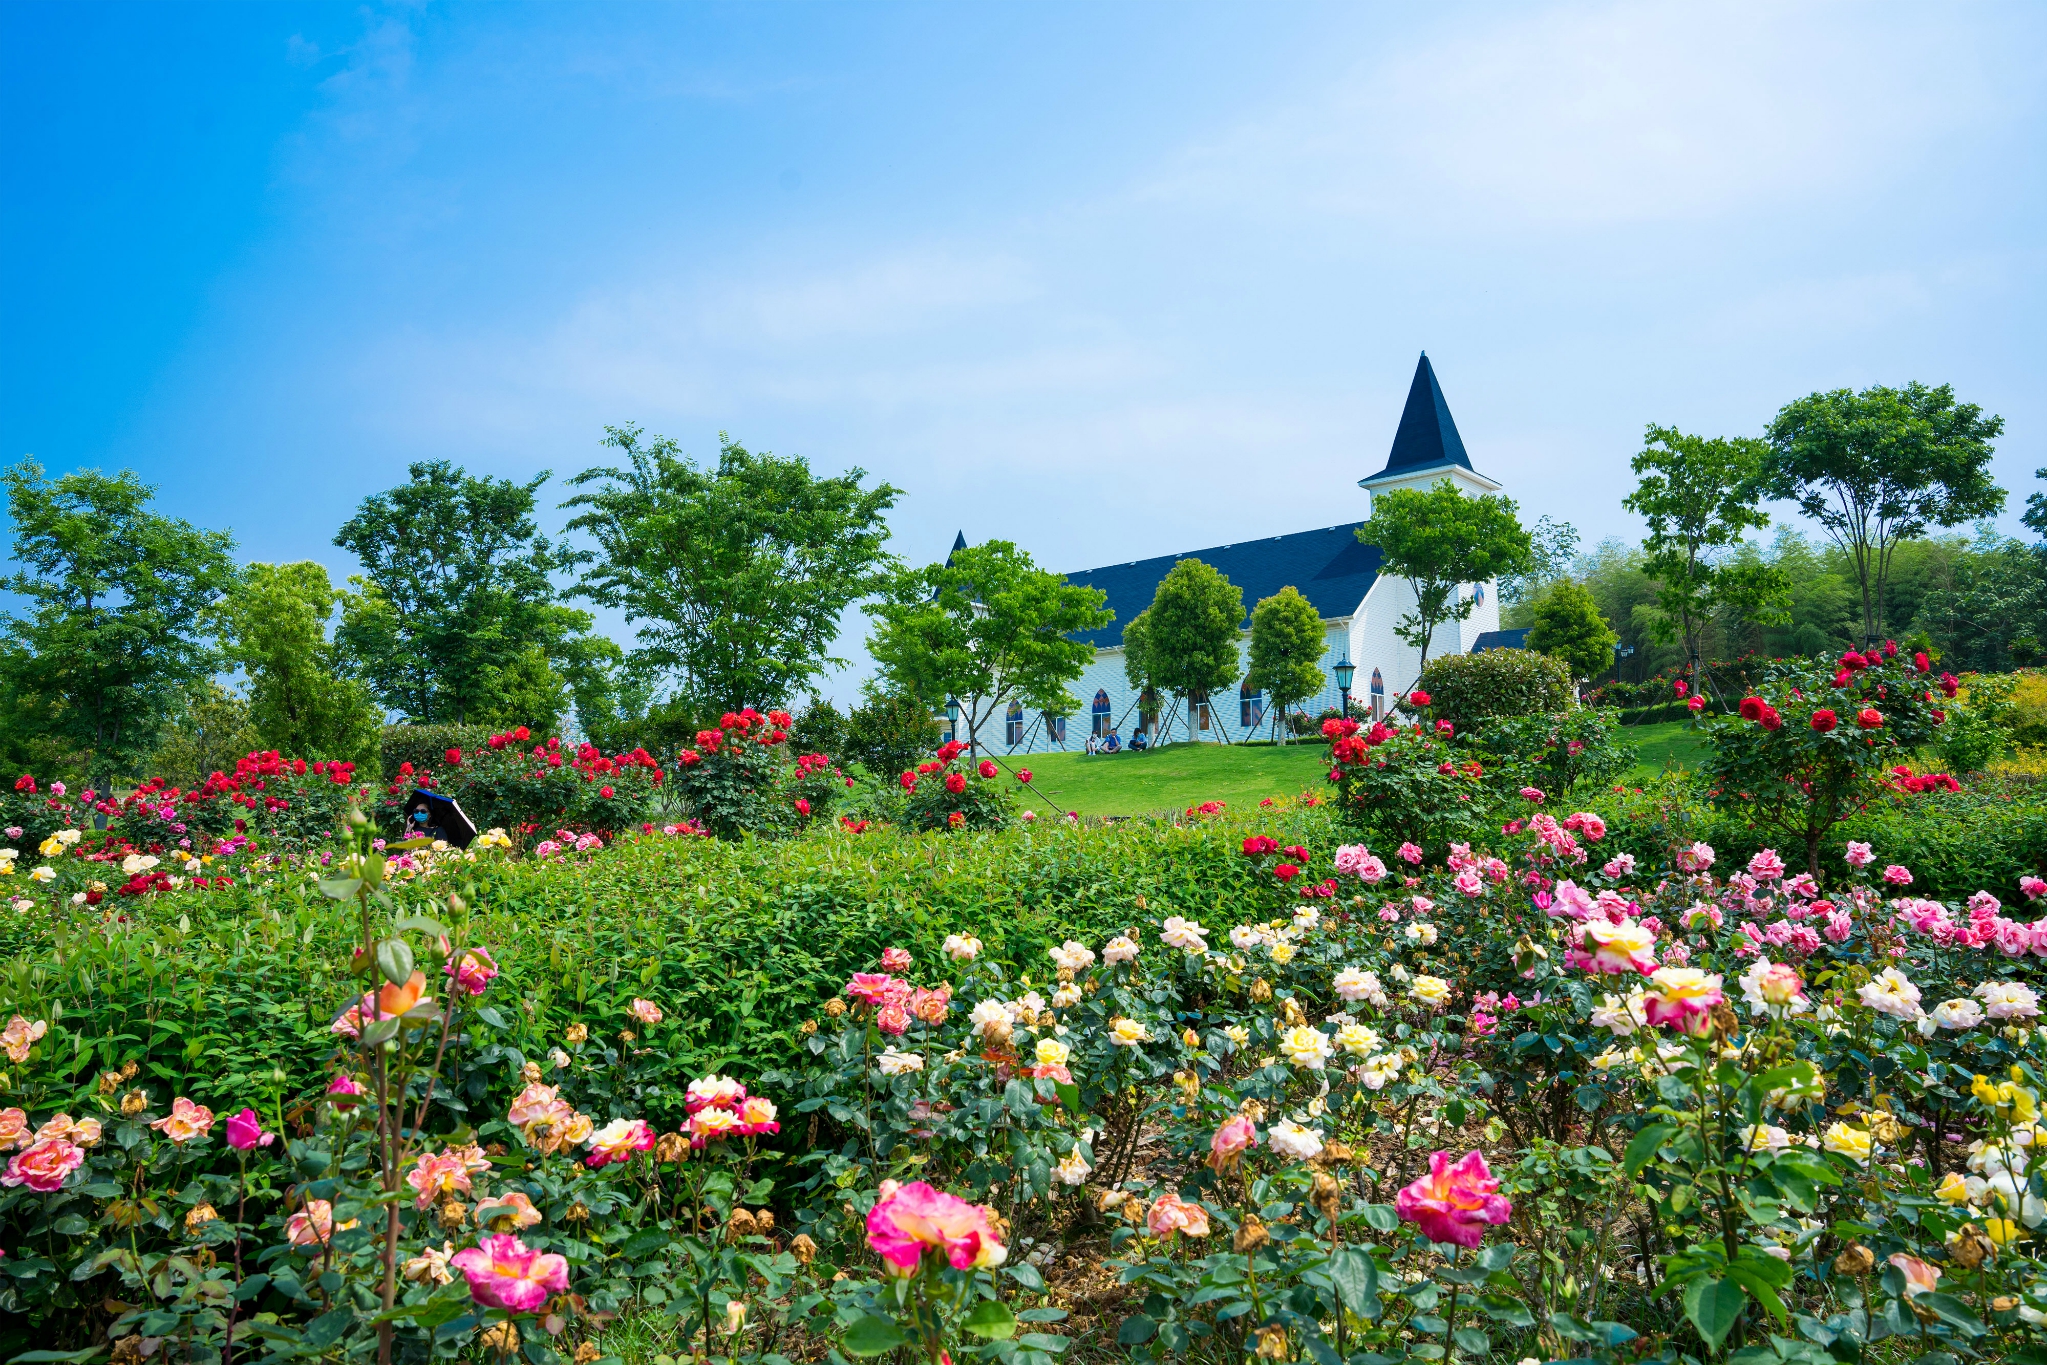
point(1139, 743)
point(1114, 744)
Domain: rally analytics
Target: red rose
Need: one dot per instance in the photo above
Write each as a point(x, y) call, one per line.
point(1258, 845)
point(956, 819)
point(1680, 687)
point(987, 767)
point(604, 792)
point(1852, 661)
point(1921, 662)
point(1940, 717)
point(1824, 721)
point(522, 733)
point(1770, 719)
point(955, 783)
point(1418, 697)
point(1842, 678)
point(1752, 708)
point(802, 807)
point(1443, 727)
point(1869, 718)
point(690, 758)
point(1890, 649)
point(1286, 872)
point(1023, 774)
point(1696, 705)
point(1296, 852)
point(1949, 684)
point(909, 781)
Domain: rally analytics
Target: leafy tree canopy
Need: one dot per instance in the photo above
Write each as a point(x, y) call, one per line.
point(734, 577)
point(987, 627)
point(1286, 651)
point(120, 603)
point(1437, 539)
point(1192, 627)
point(455, 619)
point(275, 627)
point(1880, 466)
point(1699, 495)
point(1568, 626)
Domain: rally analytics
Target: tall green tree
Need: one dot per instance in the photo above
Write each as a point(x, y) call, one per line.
point(1287, 641)
point(1193, 624)
point(208, 733)
point(1438, 539)
point(1880, 466)
point(275, 627)
point(1552, 547)
point(1699, 495)
point(1140, 667)
point(1568, 626)
point(733, 577)
point(120, 604)
point(455, 618)
point(986, 627)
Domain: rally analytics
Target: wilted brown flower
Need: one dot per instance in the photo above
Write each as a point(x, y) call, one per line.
point(739, 1225)
point(1884, 1127)
point(1334, 1154)
point(530, 1073)
point(1261, 990)
point(576, 1032)
point(1250, 1235)
point(109, 1082)
point(1327, 1197)
point(835, 1008)
point(803, 1249)
point(1252, 1110)
point(503, 1337)
point(807, 1027)
point(626, 1035)
point(588, 1352)
point(199, 1217)
point(764, 1219)
point(1290, 1010)
point(452, 1214)
point(135, 1101)
point(1855, 1259)
point(1968, 1248)
point(671, 1149)
point(1272, 1343)
point(128, 1351)
point(578, 1212)
point(129, 1069)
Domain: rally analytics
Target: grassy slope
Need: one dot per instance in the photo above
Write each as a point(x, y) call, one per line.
point(1182, 775)
point(1175, 777)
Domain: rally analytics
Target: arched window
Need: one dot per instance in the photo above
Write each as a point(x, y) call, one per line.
point(1250, 707)
point(1014, 724)
point(1102, 713)
point(1055, 728)
point(1378, 695)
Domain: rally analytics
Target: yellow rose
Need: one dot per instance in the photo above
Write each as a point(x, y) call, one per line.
point(1849, 1142)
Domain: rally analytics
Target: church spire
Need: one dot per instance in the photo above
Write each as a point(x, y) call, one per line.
point(1427, 437)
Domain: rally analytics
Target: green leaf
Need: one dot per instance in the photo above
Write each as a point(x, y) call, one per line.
point(420, 924)
point(1473, 1341)
point(1952, 1311)
point(1026, 1274)
point(340, 888)
point(1381, 1217)
point(1136, 1330)
point(873, 1336)
point(990, 1319)
point(1498, 1256)
point(1356, 1276)
point(394, 960)
point(83, 1354)
point(1713, 1306)
point(1642, 1147)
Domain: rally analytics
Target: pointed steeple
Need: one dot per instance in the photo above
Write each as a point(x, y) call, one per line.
point(959, 542)
point(1427, 437)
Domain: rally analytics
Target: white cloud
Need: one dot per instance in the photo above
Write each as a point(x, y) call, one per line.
point(1588, 116)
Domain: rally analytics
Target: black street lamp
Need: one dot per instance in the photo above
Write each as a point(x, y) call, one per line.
point(1345, 670)
point(952, 718)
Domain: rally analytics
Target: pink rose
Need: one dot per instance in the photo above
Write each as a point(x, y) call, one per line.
point(503, 1272)
point(1454, 1203)
point(909, 1220)
point(43, 1166)
point(245, 1131)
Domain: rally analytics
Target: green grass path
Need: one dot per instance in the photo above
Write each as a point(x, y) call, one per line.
point(1183, 775)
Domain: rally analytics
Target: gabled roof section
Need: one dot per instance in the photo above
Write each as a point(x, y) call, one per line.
point(1427, 436)
point(959, 542)
point(1329, 567)
point(1500, 639)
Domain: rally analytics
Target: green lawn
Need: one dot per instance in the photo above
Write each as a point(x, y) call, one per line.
point(1175, 777)
point(1662, 744)
point(1183, 775)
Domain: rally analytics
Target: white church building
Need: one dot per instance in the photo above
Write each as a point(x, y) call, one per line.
point(1330, 567)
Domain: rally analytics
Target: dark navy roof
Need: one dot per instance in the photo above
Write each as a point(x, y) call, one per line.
point(1427, 436)
point(1329, 567)
point(1500, 639)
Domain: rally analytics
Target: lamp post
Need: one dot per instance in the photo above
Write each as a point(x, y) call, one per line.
point(1345, 670)
point(952, 718)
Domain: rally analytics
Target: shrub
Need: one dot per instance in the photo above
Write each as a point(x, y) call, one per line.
point(953, 791)
point(548, 788)
point(424, 746)
point(740, 778)
point(888, 732)
point(1468, 689)
point(1817, 743)
point(2029, 708)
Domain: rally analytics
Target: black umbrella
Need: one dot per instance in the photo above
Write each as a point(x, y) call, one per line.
point(435, 816)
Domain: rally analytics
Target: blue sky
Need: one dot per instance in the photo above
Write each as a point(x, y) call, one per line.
point(1108, 281)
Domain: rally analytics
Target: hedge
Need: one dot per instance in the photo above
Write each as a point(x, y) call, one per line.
point(1467, 689)
point(426, 746)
